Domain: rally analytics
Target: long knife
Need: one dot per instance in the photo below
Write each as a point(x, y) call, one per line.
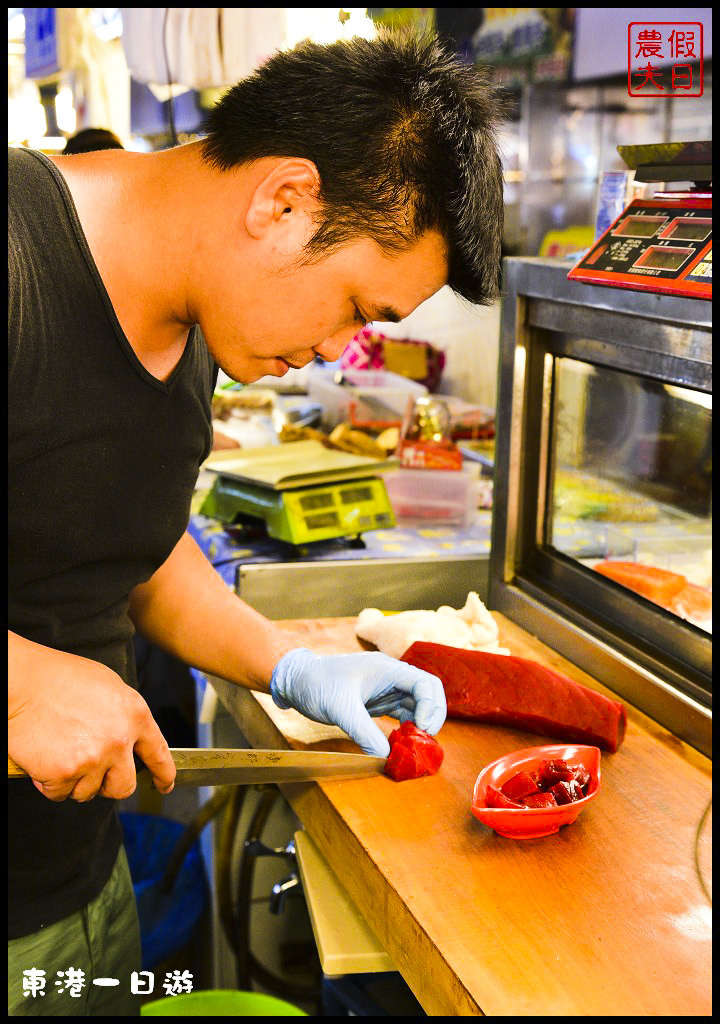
point(216, 767)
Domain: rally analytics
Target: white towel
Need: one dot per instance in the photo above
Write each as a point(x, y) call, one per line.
point(472, 628)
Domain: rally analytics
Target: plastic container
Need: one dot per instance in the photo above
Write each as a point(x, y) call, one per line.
point(533, 823)
point(369, 397)
point(220, 1003)
point(167, 919)
point(441, 496)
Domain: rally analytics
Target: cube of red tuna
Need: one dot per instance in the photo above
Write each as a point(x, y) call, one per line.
point(521, 784)
point(402, 764)
point(567, 792)
point(536, 800)
point(581, 776)
point(495, 798)
point(554, 771)
point(413, 753)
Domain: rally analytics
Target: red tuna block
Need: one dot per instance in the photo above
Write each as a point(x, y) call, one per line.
point(520, 693)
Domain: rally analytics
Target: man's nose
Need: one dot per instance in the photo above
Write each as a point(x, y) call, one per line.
point(332, 348)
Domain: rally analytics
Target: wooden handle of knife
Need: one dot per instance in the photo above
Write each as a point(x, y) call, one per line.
point(14, 770)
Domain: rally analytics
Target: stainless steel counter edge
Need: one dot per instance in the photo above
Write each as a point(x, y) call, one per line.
point(328, 589)
point(536, 276)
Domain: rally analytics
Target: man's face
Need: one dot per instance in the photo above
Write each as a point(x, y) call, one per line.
point(262, 324)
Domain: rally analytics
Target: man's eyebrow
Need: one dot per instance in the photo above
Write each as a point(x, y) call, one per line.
point(387, 314)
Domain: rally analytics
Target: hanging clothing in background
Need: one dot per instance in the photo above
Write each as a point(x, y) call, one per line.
point(203, 67)
point(101, 79)
point(200, 47)
point(250, 35)
point(142, 40)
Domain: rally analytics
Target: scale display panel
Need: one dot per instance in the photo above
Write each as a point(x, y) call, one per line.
point(658, 245)
point(640, 226)
point(688, 229)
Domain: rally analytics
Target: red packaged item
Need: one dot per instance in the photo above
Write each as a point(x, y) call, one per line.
point(429, 455)
point(413, 753)
point(520, 693)
point(416, 360)
point(425, 441)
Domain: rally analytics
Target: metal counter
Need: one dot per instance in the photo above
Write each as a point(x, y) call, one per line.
point(394, 569)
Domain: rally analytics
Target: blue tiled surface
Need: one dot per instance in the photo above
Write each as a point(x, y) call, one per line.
point(226, 549)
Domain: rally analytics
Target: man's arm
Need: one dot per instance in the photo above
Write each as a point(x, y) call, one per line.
point(186, 609)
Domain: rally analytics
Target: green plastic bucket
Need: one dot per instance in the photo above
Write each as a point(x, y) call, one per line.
point(220, 1003)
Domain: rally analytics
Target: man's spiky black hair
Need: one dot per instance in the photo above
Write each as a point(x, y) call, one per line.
point(403, 135)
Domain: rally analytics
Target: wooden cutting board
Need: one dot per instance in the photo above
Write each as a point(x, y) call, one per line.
point(608, 917)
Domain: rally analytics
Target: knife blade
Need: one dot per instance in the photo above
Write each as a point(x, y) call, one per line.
point(218, 767)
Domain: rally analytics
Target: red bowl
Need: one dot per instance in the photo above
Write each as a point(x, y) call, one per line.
point(529, 822)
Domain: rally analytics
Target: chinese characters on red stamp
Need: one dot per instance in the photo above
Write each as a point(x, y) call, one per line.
point(665, 58)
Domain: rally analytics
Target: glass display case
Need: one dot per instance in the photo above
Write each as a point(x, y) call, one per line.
point(603, 486)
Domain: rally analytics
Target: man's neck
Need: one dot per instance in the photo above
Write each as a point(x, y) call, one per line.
point(139, 221)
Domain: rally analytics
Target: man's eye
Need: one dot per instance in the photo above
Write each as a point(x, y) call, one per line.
point(359, 318)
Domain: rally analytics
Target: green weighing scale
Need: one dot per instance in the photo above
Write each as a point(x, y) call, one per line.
point(301, 491)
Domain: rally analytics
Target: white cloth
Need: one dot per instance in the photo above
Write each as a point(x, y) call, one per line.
point(471, 627)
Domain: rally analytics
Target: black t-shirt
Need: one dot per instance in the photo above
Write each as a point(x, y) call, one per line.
point(103, 459)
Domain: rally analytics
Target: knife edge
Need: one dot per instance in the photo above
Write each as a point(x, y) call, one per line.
point(198, 766)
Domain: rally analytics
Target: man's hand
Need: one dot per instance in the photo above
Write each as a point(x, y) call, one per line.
point(73, 725)
point(346, 689)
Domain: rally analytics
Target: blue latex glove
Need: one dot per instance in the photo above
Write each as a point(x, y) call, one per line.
point(346, 689)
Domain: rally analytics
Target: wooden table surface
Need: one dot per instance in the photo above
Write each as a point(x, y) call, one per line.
point(608, 917)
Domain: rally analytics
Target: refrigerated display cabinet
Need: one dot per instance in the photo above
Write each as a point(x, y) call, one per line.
point(603, 464)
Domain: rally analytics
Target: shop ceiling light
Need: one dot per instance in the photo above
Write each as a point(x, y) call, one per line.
point(16, 24)
point(328, 24)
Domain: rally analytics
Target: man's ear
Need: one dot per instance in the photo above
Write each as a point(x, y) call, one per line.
point(289, 189)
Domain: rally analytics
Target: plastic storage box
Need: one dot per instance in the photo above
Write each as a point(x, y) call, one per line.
point(426, 496)
point(367, 397)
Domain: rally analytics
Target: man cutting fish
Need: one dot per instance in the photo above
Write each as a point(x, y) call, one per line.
point(337, 185)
